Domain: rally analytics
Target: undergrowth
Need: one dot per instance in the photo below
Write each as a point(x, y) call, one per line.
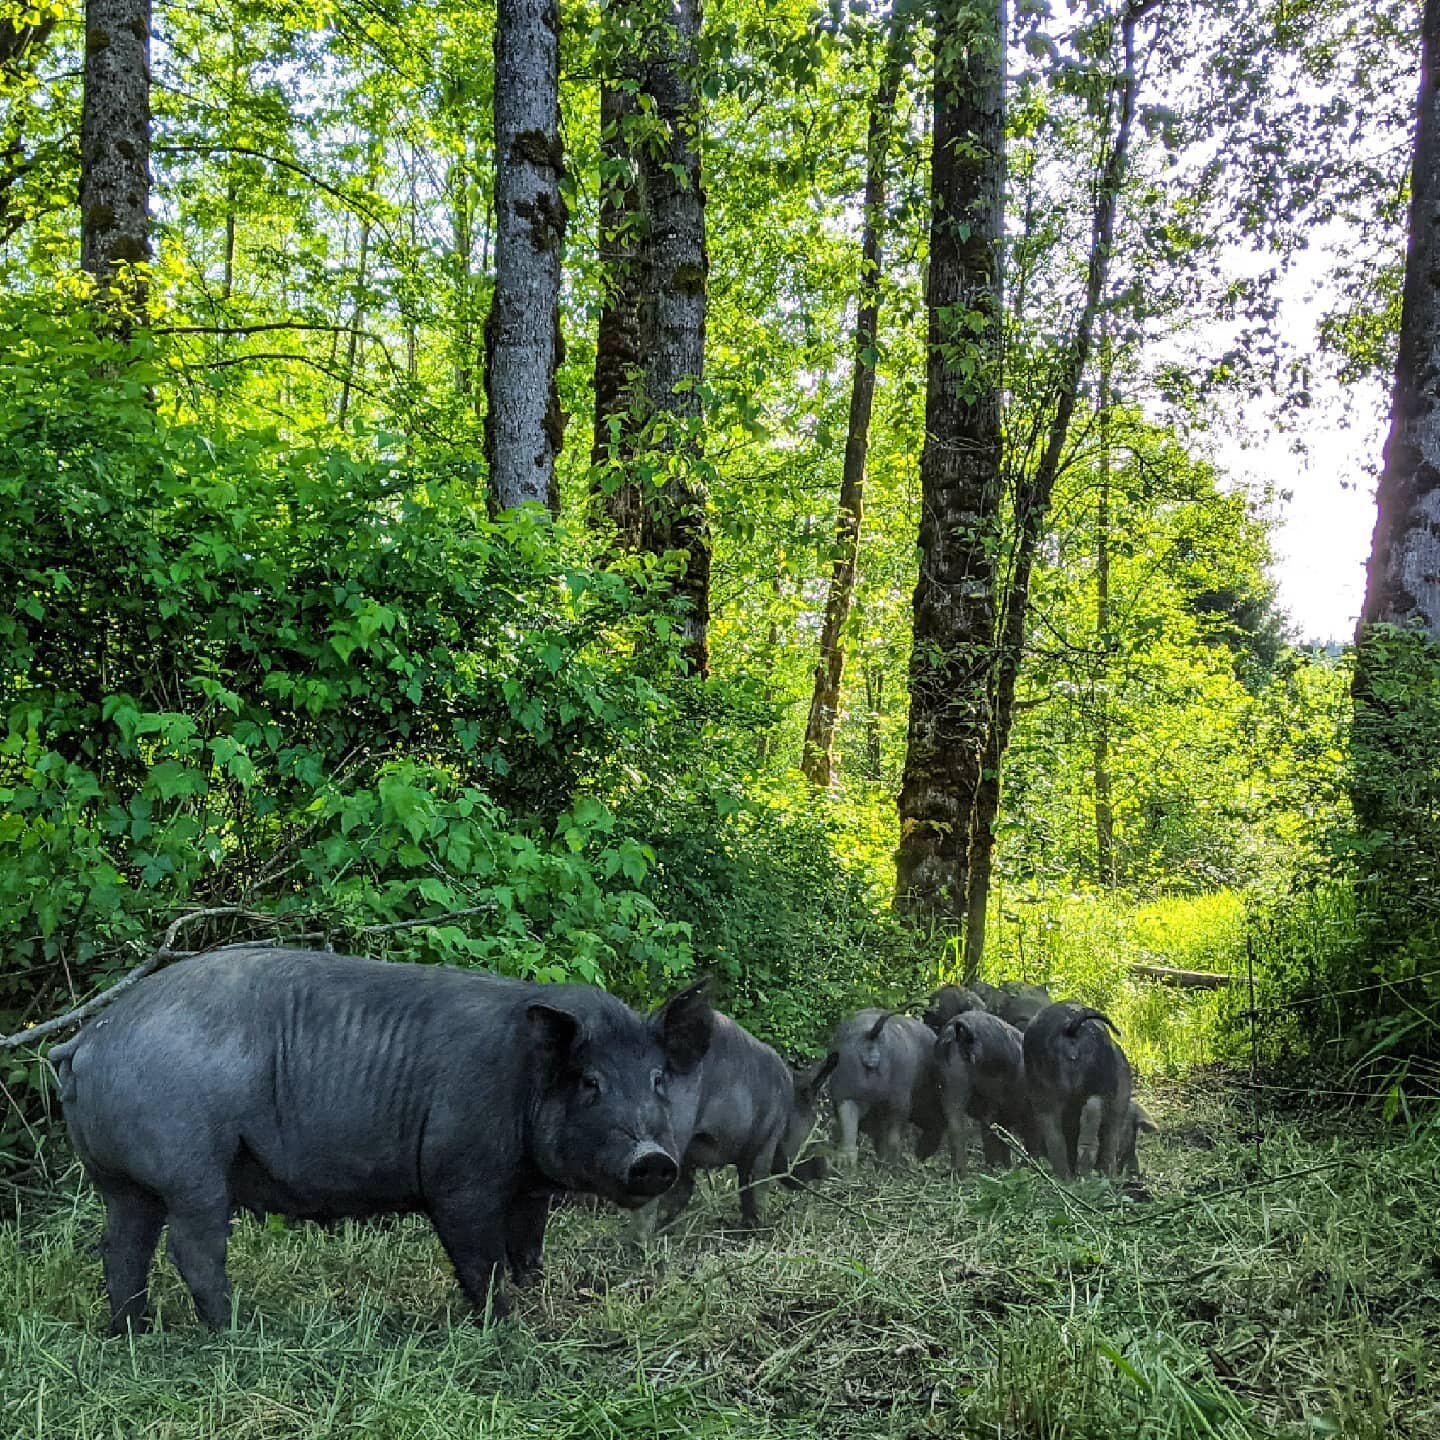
point(1292, 1295)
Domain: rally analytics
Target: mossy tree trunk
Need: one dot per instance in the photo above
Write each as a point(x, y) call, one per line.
point(617, 339)
point(960, 465)
point(1032, 501)
point(674, 274)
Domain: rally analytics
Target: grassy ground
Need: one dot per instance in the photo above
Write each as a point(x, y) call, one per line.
point(901, 1305)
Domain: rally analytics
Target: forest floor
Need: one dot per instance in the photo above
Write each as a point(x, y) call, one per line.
point(1293, 1296)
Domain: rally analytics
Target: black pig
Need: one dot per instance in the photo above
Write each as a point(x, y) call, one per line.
point(981, 1064)
point(884, 1081)
point(948, 1002)
point(324, 1086)
point(748, 1110)
point(1079, 1083)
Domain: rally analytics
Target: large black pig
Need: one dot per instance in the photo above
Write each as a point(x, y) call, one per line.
point(324, 1086)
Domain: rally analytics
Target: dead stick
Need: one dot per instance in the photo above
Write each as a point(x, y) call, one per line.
point(157, 957)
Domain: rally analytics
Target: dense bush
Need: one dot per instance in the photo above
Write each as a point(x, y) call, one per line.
point(323, 687)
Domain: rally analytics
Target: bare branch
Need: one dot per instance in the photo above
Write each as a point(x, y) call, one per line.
point(163, 951)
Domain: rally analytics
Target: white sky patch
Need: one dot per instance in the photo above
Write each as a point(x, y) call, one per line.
point(1324, 501)
point(1320, 464)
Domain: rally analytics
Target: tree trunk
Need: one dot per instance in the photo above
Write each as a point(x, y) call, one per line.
point(617, 341)
point(954, 615)
point(357, 323)
point(115, 153)
point(523, 422)
point(1396, 689)
point(1403, 577)
point(817, 756)
point(1104, 809)
point(874, 699)
point(675, 267)
point(1033, 505)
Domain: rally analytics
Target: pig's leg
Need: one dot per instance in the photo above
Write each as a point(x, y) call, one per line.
point(997, 1152)
point(133, 1218)
point(645, 1223)
point(1052, 1141)
point(472, 1228)
point(958, 1128)
point(199, 1229)
point(677, 1197)
point(932, 1132)
point(847, 1133)
point(1111, 1126)
point(1087, 1142)
point(525, 1236)
point(892, 1139)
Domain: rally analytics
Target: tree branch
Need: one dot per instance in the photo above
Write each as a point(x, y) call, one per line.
point(163, 951)
point(346, 199)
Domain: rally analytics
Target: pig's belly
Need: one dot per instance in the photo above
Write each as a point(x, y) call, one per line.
point(318, 1186)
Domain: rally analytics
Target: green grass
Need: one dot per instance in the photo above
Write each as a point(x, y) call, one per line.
point(902, 1305)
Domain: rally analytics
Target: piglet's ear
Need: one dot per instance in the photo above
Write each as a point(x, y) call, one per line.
point(684, 1025)
point(557, 1031)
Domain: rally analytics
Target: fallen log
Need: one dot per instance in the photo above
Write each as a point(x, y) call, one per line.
point(1185, 979)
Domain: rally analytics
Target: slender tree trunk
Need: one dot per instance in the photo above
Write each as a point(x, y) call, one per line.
point(462, 244)
point(675, 267)
point(617, 341)
point(357, 323)
point(874, 697)
point(412, 331)
point(524, 425)
point(1033, 504)
point(817, 757)
point(954, 616)
point(1104, 808)
point(115, 152)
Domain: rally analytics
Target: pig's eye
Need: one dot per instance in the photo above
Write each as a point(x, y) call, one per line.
point(657, 1082)
point(590, 1087)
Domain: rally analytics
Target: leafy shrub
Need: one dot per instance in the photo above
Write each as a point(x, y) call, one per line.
point(306, 682)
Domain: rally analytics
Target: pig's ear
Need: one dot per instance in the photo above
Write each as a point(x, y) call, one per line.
point(684, 1025)
point(1143, 1123)
point(557, 1031)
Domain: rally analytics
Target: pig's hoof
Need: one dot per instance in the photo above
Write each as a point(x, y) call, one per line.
point(128, 1325)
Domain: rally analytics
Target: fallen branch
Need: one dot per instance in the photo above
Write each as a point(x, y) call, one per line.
point(1185, 979)
point(163, 951)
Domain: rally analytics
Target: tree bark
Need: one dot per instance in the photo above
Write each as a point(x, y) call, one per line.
point(675, 267)
point(357, 324)
point(617, 340)
point(874, 698)
point(817, 755)
point(1403, 578)
point(1033, 504)
point(960, 475)
point(115, 153)
point(524, 426)
point(1105, 870)
point(1395, 688)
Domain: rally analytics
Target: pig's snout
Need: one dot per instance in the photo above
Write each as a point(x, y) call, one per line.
point(652, 1172)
